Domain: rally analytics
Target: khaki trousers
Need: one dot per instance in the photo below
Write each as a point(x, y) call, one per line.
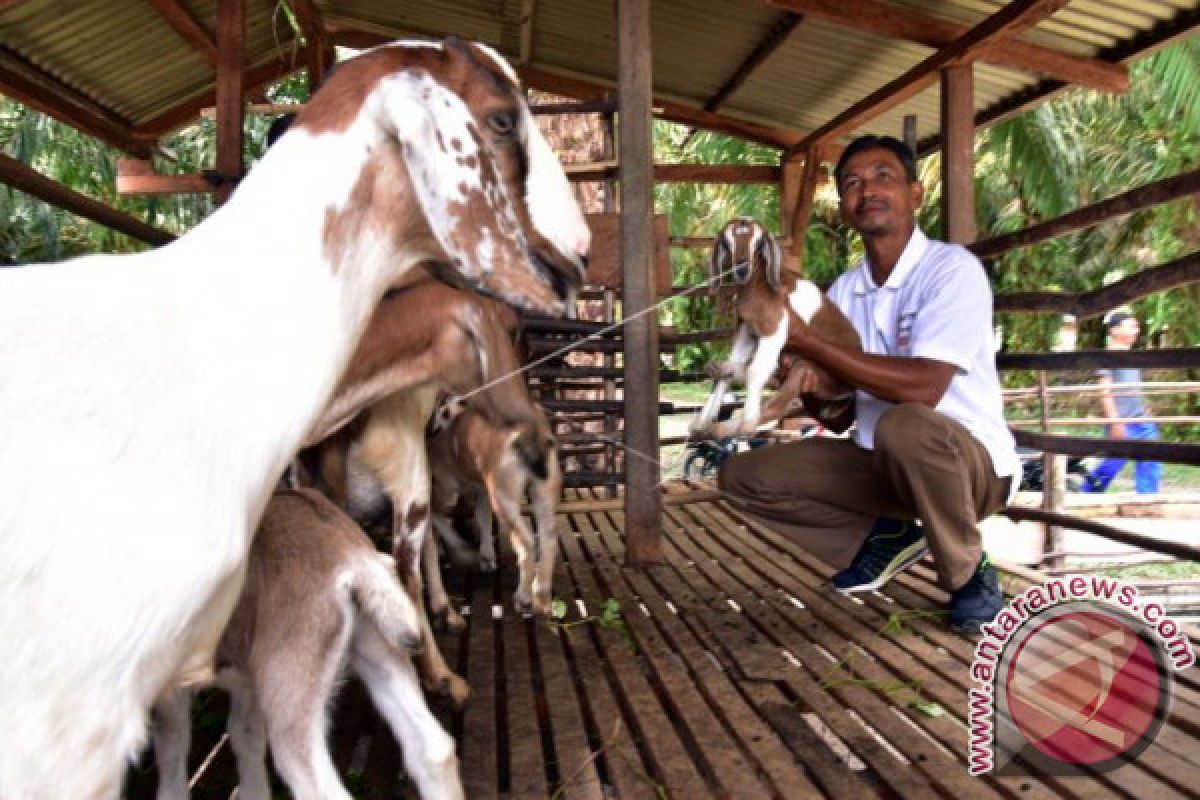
point(825, 494)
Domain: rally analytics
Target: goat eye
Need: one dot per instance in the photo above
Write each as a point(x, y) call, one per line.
point(503, 122)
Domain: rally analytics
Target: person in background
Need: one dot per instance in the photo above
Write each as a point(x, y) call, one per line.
point(930, 441)
point(1122, 402)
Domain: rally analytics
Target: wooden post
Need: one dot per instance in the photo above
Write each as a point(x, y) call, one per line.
point(958, 154)
point(909, 136)
point(231, 35)
point(1052, 484)
point(791, 176)
point(643, 502)
point(804, 206)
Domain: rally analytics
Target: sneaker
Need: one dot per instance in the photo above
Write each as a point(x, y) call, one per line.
point(978, 601)
point(891, 547)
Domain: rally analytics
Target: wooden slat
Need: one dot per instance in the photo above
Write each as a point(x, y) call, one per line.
point(478, 745)
point(526, 766)
point(670, 764)
point(721, 759)
point(578, 776)
point(711, 678)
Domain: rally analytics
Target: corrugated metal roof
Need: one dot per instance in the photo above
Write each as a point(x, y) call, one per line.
point(125, 57)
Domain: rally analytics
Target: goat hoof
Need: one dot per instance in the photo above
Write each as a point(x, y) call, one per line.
point(522, 603)
point(456, 690)
point(543, 605)
point(447, 620)
point(487, 563)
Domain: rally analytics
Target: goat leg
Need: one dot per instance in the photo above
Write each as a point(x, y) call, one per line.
point(443, 615)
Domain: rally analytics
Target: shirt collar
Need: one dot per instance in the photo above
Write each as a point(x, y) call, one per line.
point(909, 258)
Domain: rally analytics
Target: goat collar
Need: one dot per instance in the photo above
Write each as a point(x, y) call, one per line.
point(914, 251)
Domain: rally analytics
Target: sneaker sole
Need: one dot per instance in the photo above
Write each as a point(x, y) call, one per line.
point(908, 556)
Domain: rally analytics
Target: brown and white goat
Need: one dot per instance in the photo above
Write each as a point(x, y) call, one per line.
point(424, 339)
point(167, 390)
point(494, 466)
point(318, 597)
point(773, 303)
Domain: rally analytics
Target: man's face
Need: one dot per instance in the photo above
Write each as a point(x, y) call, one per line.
point(1126, 331)
point(877, 198)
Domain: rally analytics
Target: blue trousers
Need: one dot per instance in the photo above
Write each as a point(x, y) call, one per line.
point(1146, 474)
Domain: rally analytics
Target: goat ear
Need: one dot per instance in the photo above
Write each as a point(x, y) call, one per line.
point(772, 257)
point(460, 189)
point(719, 261)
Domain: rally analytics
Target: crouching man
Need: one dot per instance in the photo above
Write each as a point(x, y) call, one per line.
point(931, 454)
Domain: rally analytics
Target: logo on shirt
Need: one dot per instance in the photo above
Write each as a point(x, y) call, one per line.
point(904, 331)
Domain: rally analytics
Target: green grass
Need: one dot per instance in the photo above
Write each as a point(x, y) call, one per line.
point(685, 393)
point(1178, 570)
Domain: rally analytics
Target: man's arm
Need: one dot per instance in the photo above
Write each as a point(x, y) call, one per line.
point(1116, 430)
point(896, 379)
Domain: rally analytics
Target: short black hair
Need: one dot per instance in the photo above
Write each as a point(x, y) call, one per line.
point(872, 142)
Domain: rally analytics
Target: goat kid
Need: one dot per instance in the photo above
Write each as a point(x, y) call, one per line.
point(176, 384)
point(494, 466)
point(423, 339)
point(773, 303)
point(318, 597)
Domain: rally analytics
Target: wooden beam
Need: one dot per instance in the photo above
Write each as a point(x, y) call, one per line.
point(1090, 360)
point(43, 92)
point(775, 38)
point(1132, 538)
point(643, 502)
point(1151, 194)
point(188, 112)
point(528, 9)
point(1141, 450)
point(1004, 24)
point(791, 177)
point(30, 181)
point(137, 176)
point(1180, 272)
point(187, 26)
point(901, 22)
point(682, 173)
point(958, 153)
point(231, 83)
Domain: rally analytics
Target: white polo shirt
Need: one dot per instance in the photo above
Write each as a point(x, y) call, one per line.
point(936, 304)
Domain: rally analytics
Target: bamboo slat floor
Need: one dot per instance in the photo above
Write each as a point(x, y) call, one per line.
point(730, 671)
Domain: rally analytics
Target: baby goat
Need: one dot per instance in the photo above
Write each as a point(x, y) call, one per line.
point(773, 303)
point(318, 595)
point(495, 466)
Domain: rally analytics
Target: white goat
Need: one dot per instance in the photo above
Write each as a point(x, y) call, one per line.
point(774, 303)
point(164, 392)
point(318, 596)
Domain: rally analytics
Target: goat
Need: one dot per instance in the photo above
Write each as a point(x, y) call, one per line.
point(773, 303)
point(318, 596)
point(494, 466)
point(423, 339)
point(167, 390)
